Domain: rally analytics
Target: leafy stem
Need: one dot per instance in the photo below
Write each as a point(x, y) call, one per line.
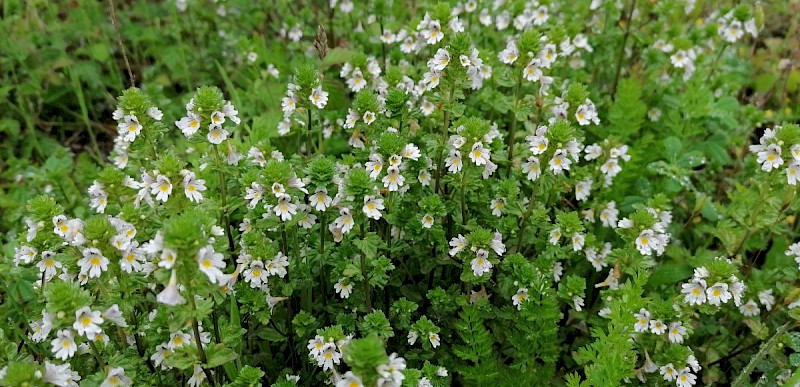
point(201, 352)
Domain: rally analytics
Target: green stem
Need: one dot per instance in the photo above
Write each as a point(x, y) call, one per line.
point(308, 133)
point(621, 55)
point(96, 354)
point(513, 130)
point(224, 199)
point(744, 376)
point(201, 352)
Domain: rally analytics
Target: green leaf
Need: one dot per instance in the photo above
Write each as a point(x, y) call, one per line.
point(218, 355)
point(338, 55)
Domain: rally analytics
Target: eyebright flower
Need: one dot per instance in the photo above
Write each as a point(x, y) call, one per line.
point(93, 263)
point(192, 186)
point(161, 187)
point(285, 208)
point(372, 207)
point(171, 294)
point(63, 346)
point(695, 292)
point(642, 321)
point(87, 322)
point(458, 244)
point(343, 287)
point(116, 378)
point(718, 293)
point(210, 263)
point(481, 264)
point(520, 297)
point(319, 97)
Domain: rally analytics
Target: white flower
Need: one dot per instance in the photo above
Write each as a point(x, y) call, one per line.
point(285, 208)
point(329, 356)
point(434, 339)
point(369, 117)
point(766, 298)
point(657, 327)
point(458, 244)
point(718, 293)
point(642, 321)
point(198, 377)
point(608, 216)
point(319, 97)
point(129, 128)
point(393, 179)
point(87, 322)
point(178, 339)
point(497, 206)
point(647, 242)
point(155, 113)
point(583, 189)
point(427, 221)
point(732, 32)
point(453, 162)
point(411, 151)
point(770, 157)
point(189, 125)
point(481, 264)
point(216, 135)
point(93, 263)
point(668, 372)
point(695, 292)
point(692, 362)
point(520, 297)
point(344, 221)
point(210, 263)
point(343, 287)
point(676, 332)
point(349, 379)
point(510, 54)
point(412, 337)
point(59, 375)
point(114, 315)
point(560, 162)
point(440, 60)
point(577, 241)
point(256, 274)
point(681, 59)
point(25, 254)
point(277, 266)
point(558, 271)
point(684, 378)
point(479, 155)
point(171, 295)
point(533, 72)
point(391, 372)
point(315, 345)
point(161, 187)
point(63, 346)
point(497, 244)
point(750, 309)
point(168, 257)
point(793, 172)
point(254, 194)
point(116, 378)
point(555, 236)
point(532, 168)
point(372, 207)
point(192, 186)
point(538, 144)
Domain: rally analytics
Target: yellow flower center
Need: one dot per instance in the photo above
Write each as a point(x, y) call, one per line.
point(94, 261)
point(86, 321)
